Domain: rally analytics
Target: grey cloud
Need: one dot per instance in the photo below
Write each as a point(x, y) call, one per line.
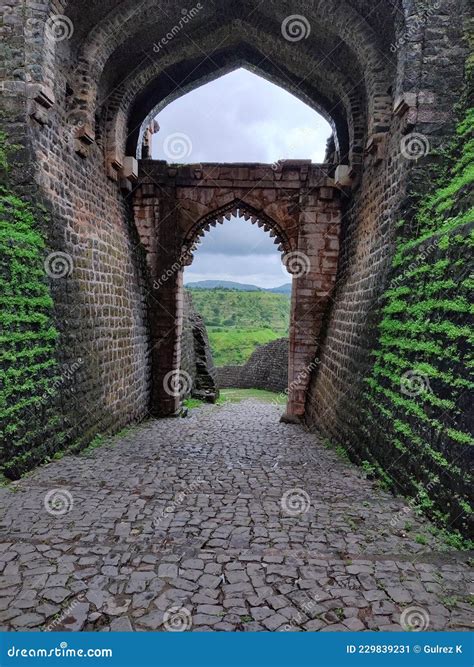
point(237, 237)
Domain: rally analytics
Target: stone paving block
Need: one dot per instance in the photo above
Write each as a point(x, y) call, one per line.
point(277, 573)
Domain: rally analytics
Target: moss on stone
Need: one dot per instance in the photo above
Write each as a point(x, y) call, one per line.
point(29, 428)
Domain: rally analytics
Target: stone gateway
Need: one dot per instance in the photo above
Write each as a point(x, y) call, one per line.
point(82, 83)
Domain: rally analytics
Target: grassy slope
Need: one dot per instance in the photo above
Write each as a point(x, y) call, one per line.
point(238, 321)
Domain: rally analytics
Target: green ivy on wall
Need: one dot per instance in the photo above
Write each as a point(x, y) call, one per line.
point(30, 428)
point(421, 382)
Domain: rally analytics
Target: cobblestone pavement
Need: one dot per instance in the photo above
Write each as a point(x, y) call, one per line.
point(226, 520)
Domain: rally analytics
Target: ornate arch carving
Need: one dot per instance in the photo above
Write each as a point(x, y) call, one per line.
point(237, 208)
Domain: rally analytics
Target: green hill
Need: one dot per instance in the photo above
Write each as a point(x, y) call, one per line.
point(245, 287)
point(238, 321)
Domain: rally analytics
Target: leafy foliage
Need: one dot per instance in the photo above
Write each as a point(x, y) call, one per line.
point(425, 332)
point(30, 429)
point(238, 321)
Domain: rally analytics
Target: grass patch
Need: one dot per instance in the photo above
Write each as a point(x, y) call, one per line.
point(262, 395)
point(191, 403)
point(234, 346)
point(238, 322)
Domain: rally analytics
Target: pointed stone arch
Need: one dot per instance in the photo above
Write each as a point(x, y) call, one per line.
point(237, 208)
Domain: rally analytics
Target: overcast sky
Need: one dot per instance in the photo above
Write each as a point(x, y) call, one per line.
point(239, 117)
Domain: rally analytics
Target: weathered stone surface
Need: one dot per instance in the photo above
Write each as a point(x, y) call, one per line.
point(289, 576)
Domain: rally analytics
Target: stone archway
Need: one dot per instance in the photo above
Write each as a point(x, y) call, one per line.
point(76, 102)
point(297, 203)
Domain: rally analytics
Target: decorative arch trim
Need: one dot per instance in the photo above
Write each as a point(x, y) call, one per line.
point(237, 208)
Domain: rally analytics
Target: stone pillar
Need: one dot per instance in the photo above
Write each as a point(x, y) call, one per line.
point(165, 304)
point(166, 316)
point(314, 266)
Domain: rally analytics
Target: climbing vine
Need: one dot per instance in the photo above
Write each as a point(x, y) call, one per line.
point(30, 428)
point(421, 382)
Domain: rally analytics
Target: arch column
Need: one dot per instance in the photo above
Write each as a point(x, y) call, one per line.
point(156, 219)
point(313, 266)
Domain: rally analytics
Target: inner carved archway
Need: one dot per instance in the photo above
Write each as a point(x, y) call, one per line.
point(236, 209)
point(298, 203)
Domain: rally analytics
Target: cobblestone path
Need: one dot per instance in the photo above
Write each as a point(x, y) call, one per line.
point(227, 520)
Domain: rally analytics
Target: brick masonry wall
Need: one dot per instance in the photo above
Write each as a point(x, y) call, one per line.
point(267, 368)
point(337, 402)
point(98, 280)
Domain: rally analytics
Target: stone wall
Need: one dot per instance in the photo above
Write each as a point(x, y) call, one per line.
point(196, 356)
point(394, 306)
point(92, 260)
point(298, 203)
point(267, 368)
